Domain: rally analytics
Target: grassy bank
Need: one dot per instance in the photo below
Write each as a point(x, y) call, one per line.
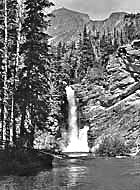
point(23, 162)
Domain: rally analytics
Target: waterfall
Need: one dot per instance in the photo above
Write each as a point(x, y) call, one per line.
point(77, 138)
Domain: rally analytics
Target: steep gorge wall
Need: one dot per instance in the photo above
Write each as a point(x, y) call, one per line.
point(110, 105)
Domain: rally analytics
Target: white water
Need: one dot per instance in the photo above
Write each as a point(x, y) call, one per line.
point(77, 138)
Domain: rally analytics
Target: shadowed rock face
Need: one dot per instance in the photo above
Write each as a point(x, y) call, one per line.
point(111, 106)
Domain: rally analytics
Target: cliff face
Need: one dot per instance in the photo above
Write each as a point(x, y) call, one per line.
point(115, 20)
point(110, 103)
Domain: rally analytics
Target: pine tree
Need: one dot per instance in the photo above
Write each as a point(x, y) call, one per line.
point(87, 54)
point(106, 46)
point(87, 50)
point(1, 69)
point(121, 38)
point(5, 86)
point(64, 49)
point(115, 40)
point(33, 88)
point(130, 28)
point(8, 50)
point(59, 51)
point(15, 6)
point(13, 34)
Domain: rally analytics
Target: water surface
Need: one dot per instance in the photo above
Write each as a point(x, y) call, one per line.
point(78, 174)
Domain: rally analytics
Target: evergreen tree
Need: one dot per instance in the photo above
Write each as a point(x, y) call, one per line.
point(9, 52)
point(12, 31)
point(121, 38)
point(59, 51)
point(8, 37)
point(106, 46)
point(33, 88)
point(87, 50)
point(5, 77)
point(64, 49)
point(16, 7)
point(130, 27)
point(78, 60)
point(57, 91)
point(87, 54)
point(115, 42)
point(1, 69)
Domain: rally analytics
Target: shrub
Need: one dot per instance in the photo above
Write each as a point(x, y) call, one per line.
point(111, 147)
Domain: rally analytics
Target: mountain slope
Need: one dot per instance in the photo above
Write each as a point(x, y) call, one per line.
point(67, 24)
point(115, 20)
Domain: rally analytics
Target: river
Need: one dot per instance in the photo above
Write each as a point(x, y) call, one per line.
point(78, 174)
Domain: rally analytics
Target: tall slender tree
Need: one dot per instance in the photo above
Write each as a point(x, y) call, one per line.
point(1, 69)
point(16, 31)
point(8, 40)
point(5, 60)
point(33, 88)
point(87, 55)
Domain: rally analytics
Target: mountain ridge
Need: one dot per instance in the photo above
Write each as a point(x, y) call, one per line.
point(70, 10)
point(67, 24)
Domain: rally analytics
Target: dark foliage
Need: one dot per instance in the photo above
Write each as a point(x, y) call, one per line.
point(112, 147)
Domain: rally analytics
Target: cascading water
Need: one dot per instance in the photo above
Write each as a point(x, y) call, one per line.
point(77, 138)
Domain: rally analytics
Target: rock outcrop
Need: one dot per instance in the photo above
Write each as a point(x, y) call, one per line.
point(110, 104)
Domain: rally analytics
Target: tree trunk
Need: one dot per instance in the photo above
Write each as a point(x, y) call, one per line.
point(23, 117)
point(13, 118)
point(13, 114)
point(5, 101)
point(2, 118)
point(32, 127)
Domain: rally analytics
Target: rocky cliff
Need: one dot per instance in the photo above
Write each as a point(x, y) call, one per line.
point(115, 20)
point(110, 101)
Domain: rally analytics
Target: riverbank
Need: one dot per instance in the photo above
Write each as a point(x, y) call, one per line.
point(23, 162)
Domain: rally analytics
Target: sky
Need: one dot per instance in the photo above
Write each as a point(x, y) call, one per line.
point(99, 9)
